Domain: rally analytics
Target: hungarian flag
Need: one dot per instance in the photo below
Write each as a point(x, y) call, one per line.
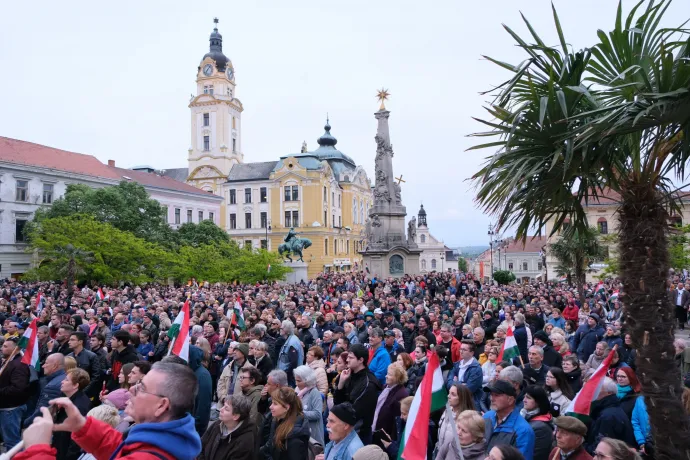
point(179, 334)
point(582, 404)
point(237, 315)
point(510, 350)
point(600, 287)
point(430, 396)
point(39, 302)
point(100, 294)
point(29, 344)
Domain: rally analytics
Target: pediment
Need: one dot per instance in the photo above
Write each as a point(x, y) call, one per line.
point(205, 172)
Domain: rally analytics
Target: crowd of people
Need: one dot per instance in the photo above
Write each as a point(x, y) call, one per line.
point(324, 370)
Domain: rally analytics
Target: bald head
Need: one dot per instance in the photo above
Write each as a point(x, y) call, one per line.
point(54, 363)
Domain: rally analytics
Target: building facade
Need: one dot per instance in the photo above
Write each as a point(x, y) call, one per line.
point(34, 176)
point(523, 259)
point(434, 252)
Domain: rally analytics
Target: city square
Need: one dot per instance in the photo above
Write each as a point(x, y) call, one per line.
point(346, 231)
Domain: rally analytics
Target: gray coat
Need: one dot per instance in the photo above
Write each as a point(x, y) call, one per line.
point(312, 407)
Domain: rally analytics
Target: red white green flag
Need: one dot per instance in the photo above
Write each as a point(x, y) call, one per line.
point(179, 333)
point(39, 302)
point(29, 343)
point(582, 404)
point(431, 396)
point(237, 316)
point(510, 350)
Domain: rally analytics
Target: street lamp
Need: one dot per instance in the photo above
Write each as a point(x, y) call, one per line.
point(499, 245)
point(491, 234)
point(268, 229)
point(443, 268)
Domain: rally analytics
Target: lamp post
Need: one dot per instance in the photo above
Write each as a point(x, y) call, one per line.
point(499, 245)
point(491, 234)
point(268, 228)
point(443, 268)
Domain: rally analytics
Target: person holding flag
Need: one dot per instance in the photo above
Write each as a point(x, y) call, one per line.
point(179, 333)
point(14, 385)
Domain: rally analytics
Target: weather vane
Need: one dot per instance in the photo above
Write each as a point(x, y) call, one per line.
point(215, 21)
point(382, 96)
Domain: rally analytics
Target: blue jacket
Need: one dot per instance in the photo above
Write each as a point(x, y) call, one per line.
point(472, 378)
point(520, 334)
point(515, 431)
point(379, 364)
point(586, 340)
point(202, 404)
point(51, 390)
point(640, 421)
point(176, 437)
point(346, 448)
point(560, 322)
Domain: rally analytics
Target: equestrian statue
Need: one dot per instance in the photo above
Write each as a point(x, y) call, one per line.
point(293, 245)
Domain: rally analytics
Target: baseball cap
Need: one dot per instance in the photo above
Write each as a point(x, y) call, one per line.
point(378, 311)
point(389, 334)
point(501, 387)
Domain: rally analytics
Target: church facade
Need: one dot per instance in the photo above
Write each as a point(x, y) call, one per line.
point(434, 251)
point(323, 194)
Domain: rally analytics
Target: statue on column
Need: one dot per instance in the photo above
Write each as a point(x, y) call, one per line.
point(412, 230)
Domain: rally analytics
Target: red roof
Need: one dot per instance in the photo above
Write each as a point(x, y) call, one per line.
point(532, 244)
point(30, 154)
point(610, 197)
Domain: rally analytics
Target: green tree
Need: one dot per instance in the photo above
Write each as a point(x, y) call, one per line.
point(504, 276)
point(678, 248)
point(575, 251)
point(79, 244)
point(205, 232)
point(462, 264)
point(612, 119)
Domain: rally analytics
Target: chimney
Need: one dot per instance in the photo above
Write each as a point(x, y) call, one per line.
point(111, 163)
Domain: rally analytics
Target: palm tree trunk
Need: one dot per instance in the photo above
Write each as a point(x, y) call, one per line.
point(649, 316)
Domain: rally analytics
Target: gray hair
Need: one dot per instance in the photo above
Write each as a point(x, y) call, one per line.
point(279, 377)
point(179, 380)
point(241, 405)
point(609, 386)
point(259, 329)
point(480, 331)
point(44, 329)
point(288, 326)
point(306, 374)
point(376, 332)
point(259, 345)
point(197, 329)
point(538, 349)
point(511, 374)
point(446, 327)
point(519, 318)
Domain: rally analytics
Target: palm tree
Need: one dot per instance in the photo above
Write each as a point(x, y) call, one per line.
point(609, 120)
point(575, 251)
point(73, 258)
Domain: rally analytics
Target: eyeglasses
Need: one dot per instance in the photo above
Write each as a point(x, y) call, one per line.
point(140, 388)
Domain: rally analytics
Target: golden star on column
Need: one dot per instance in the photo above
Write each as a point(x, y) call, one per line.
point(382, 95)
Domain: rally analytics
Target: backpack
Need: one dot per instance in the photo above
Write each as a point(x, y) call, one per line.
point(314, 448)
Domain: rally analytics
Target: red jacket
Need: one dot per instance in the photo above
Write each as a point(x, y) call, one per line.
point(570, 313)
point(102, 441)
point(454, 350)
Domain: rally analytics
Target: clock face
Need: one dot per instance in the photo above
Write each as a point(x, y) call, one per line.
point(208, 69)
point(230, 73)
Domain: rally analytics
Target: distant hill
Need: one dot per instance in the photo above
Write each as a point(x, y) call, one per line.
point(471, 251)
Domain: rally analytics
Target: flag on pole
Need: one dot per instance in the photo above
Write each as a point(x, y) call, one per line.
point(29, 344)
point(581, 405)
point(39, 302)
point(100, 294)
point(510, 349)
point(600, 287)
point(430, 396)
point(237, 315)
point(179, 333)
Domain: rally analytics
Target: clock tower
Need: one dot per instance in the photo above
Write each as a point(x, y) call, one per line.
point(215, 120)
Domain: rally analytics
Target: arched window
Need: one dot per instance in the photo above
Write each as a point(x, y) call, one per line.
point(433, 264)
point(423, 264)
point(524, 266)
point(422, 238)
point(603, 226)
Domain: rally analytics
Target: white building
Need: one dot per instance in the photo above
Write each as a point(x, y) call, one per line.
point(523, 259)
point(434, 251)
point(33, 175)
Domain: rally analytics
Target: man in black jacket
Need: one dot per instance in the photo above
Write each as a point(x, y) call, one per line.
point(123, 353)
point(535, 371)
point(14, 393)
point(360, 387)
point(409, 334)
point(87, 360)
point(552, 358)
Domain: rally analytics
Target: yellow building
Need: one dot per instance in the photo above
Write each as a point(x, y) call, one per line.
point(323, 194)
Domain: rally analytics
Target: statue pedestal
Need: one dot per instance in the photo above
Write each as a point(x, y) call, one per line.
point(298, 273)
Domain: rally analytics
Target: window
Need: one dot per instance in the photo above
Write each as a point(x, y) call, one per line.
point(325, 219)
point(325, 246)
point(201, 216)
point(423, 264)
point(20, 222)
point(210, 90)
point(264, 244)
point(291, 219)
point(205, 89)
point(264, 220)
point(233, 118)
point(332, 198)
point(189, 216)
point(247, 195)
point(206, 119)
point(524, 267)
point(211, 217)
point(263, 195)
point(22, 190)
point(433, 264)
point(177, 216)
point(325, 195)
point(340, 221)
point(247, 220)
point(539, 267)
point(510, 265)
point(207, 144)
point(248, 244)
point(295, 218)
point(333, 220)
point(335, 247)
point(233, 196)
point(422, 238)
point(47, 193)
point(165, 214)
point(234, 145)
point(339, 198)
point(603, 226)
point(233, 221)
point(347, 246)
point(291, 193)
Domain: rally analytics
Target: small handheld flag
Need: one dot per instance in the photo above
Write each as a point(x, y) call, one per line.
point(29, 344)
point(179, 333)
point(510, 349)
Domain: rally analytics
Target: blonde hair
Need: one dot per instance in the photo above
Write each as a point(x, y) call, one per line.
point(473, 422)
point(105, 413)
point(70, 363)
point(406, 403)
point(399, 374)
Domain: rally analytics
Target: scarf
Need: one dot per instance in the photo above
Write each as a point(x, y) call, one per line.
point(623, 391)
point(528, 414)
point(301, 393)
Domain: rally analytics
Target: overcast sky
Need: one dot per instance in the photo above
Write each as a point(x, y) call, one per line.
point(114, 80)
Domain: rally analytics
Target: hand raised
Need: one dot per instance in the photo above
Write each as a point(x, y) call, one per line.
point(74, 421)
point(40, 431)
